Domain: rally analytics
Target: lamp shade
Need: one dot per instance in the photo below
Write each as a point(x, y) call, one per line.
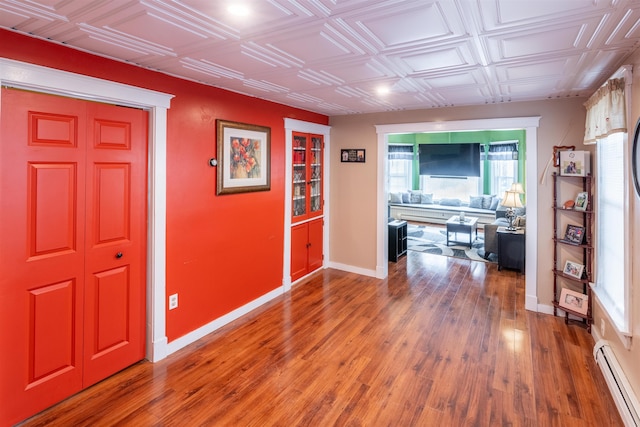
point(511, 200)
point(517, 187)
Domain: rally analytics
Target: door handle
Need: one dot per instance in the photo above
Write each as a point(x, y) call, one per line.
point(119, 255)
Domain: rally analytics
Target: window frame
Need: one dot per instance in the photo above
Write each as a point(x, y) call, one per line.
point(621, 321)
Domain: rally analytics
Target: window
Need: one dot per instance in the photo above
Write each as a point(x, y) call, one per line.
point(611, 229)
point(400, 168)
point(444, 187)
point(503, 166)
point(606, 126)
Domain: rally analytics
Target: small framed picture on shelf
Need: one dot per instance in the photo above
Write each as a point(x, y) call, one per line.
point(573, 269)
point(574, 301)
point(574, 234)
point(582, 200)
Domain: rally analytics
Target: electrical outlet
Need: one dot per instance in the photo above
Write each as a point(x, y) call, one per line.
point(173, 301)
point(602, 327)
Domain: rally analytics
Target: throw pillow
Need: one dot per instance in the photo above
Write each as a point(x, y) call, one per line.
point(450, 202)
point(494, 203)
point(395, 197)
point(427, 199)
point(475, 202)
point(415, 196)
point(486, 201)
point(405, 198)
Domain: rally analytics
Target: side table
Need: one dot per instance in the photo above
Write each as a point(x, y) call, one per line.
point(511, 249)
point(397, 239)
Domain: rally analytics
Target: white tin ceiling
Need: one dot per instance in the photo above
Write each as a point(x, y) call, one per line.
point(330, 56)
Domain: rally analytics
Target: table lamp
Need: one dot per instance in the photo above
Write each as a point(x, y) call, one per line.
point(511, 201)
point(517, 187)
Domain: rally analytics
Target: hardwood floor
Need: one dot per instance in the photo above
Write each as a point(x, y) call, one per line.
point(440, 342)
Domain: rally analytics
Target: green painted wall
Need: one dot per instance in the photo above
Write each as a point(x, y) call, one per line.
point(483, 137)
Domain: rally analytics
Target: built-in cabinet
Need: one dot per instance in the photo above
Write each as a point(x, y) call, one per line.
point(307, 202)
point(573, 247)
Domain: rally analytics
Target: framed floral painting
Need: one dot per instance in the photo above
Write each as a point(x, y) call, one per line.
point(243, 157)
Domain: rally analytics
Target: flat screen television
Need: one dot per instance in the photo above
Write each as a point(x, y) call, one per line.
point(450, 159)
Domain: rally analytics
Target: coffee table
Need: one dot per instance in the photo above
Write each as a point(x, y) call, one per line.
point(468, 227)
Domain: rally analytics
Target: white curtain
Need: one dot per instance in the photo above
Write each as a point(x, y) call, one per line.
point(605, 111)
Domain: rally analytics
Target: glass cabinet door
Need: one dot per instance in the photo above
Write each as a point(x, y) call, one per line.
point(307, 176)
point(299, 188)
point(315, 170)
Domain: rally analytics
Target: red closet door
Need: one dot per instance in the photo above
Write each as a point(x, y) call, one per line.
point(114, 296)
point(64, 293)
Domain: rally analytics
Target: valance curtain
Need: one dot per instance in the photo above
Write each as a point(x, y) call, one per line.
point(605, 111)
point(500, 151)
point(400, 152)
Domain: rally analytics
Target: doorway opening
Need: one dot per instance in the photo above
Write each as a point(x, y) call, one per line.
point(528, 124)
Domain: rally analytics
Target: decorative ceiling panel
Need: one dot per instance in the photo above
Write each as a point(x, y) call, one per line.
point(332, 56)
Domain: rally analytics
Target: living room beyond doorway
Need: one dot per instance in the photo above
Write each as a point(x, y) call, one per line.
point(529, 157)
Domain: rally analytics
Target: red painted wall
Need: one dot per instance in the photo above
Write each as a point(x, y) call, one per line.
point(222, 251)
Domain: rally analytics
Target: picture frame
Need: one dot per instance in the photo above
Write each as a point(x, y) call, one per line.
point(556, 152)
point(574, 234)
point(582, 201)
point(574, 301)
point(244, 160)
point(353, 155)
point(573, 269)
point(575, 163)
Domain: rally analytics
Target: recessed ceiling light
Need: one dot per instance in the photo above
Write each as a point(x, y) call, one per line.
point(382, 90)
point(238, 9)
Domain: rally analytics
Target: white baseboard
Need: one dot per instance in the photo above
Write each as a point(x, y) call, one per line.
point(543, 308)
point(352, 269)
point(195, 335)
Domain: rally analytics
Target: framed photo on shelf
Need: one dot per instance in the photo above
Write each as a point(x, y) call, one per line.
point(574, 301)
point(573, 269)
point(574, 234)
point(243, 157)
point(581, 202)
point(556, 152)
point(575, 163)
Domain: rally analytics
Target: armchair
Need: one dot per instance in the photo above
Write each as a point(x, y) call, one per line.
point(491, 236)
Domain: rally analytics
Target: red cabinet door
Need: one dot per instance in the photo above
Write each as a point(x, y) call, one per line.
point(306, 248)
point(299, 240)
point(68, 191)
point(307, 176)
point(315, 244)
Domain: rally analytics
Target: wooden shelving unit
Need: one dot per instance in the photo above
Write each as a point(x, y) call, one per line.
point(582, 252)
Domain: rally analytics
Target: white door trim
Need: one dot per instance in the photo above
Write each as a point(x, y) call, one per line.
point(27, 76)
point(290, 126)
point(530, 125)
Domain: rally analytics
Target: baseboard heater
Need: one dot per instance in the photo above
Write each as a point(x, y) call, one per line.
point(619, 386)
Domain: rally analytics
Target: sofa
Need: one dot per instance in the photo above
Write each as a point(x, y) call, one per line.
point(418, 206)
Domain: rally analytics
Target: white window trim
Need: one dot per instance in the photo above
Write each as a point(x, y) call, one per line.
point(624, 332)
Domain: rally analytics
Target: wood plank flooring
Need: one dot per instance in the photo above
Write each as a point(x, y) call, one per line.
point(440, 342)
